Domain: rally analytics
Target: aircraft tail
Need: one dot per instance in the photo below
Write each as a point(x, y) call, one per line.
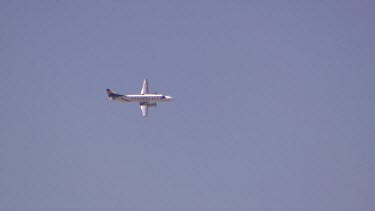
point(110, 93)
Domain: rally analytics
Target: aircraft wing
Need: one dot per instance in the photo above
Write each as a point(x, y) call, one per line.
point(144, 109)
point(144, 87)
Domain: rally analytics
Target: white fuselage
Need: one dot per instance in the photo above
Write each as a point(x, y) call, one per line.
point(145, 98)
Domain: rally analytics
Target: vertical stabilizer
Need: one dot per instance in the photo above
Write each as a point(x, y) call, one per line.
point(110, 93)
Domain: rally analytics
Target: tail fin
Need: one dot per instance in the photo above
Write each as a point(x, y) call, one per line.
point(110, 93)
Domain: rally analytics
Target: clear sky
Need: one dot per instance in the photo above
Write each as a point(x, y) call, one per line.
point(274, 105)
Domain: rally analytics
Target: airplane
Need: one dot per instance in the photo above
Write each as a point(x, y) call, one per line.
point(145, 99)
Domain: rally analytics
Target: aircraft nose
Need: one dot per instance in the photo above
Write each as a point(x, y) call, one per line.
point(169, 97)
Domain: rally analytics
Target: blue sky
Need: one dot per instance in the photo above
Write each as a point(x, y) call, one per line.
point(274, 105)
